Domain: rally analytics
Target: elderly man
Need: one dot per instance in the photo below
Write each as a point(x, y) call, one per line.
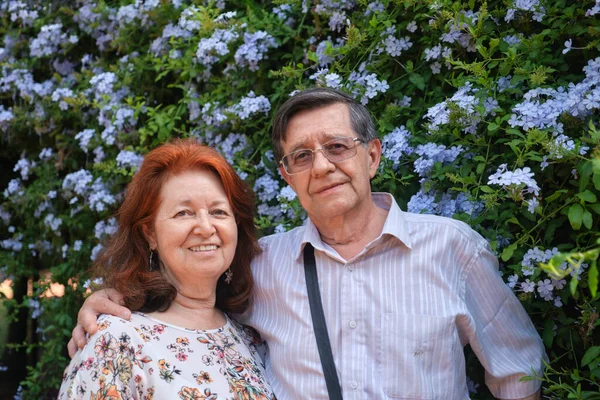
point(401, 294)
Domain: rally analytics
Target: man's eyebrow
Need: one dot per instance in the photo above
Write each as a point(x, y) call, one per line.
point(327, 135)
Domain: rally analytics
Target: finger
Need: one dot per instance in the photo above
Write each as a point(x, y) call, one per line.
point(115, 296)
point(78, 337)
point(72, 348)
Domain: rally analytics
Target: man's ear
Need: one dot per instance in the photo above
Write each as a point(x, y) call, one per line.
point(286, 177)
point(374, 151)
point(150, 237)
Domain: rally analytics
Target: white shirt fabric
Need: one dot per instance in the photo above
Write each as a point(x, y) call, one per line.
point(398, 314)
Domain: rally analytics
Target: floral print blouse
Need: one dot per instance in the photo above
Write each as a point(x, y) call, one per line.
point(148, 359)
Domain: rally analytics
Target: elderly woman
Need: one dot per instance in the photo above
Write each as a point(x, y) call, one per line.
point(181, 257)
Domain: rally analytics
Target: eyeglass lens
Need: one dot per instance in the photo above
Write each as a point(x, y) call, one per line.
point(336, 150)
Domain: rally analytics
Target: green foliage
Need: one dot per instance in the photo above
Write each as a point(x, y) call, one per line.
point(465, 96)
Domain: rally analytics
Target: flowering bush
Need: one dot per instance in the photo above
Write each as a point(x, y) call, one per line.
point(487, 111)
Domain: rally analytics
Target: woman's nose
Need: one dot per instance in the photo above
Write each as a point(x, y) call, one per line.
point(204, 225)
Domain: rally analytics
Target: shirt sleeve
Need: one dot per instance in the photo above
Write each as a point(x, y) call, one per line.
point(99, 370)
point(500, 331)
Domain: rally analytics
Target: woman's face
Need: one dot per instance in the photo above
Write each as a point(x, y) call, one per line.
point(195, 231)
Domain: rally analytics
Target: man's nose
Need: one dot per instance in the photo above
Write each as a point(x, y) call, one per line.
point(204, 226)
point(321, 164)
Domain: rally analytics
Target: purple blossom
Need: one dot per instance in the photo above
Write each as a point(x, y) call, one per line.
point(422, 203)
point(84, 137)
point(568, 46)
point(14, 188)
point(254, 49)
point(528, 286)
point(188, 20)
point(129, 159)
point(374, 7)
point(266, 188)
point(431, 153)
point(520, 177)
point(24, 166)
point(105, 228)
point(96, 252)
point(395, 145)
point(210, 49)
point(53, 222)
point(412, 26)
point(6, 115)
point(337, 20)
point(251, 105)
point(47, 41)
point(78, 182)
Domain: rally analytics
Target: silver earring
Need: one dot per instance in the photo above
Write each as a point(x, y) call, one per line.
point(151, 260)
point(228, 276)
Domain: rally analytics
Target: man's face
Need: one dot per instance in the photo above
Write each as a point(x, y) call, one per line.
point(330, 189)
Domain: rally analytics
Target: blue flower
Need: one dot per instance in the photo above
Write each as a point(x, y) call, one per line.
point(48, 41)
point(253, 49)
point(251, 105)
point(395, 145)
point(84, 138)
point(129, 159)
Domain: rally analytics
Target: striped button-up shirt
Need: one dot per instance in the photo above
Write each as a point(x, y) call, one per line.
point(398, 314)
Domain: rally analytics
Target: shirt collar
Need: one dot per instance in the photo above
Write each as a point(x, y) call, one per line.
point(395, 225)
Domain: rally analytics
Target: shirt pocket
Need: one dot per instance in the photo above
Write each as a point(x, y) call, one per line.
point(417, 356)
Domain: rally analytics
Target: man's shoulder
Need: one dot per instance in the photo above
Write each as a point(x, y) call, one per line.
point(417, 222)
point(283, 238)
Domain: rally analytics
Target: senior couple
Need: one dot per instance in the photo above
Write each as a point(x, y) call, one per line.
point(364, 300)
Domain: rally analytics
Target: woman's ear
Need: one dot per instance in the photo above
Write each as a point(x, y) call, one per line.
point(150, 237)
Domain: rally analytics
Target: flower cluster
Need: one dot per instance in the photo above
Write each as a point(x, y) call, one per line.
point(254, 49)
point(250, 105)
point(366, 84)
point(396, 145)
point(432, 153)
point(517, 182)
point(49, 40)
point(462, 108)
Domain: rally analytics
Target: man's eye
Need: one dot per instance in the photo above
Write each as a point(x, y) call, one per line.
point(336, 147)
point(301, 156)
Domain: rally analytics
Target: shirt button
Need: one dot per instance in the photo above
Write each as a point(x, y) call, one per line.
point(354, 385)
point(350, 268)
point(352, 324)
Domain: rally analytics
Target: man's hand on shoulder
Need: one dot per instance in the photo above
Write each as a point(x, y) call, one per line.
point(106, 301)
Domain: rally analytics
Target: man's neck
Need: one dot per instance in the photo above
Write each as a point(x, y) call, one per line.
point(349, 234)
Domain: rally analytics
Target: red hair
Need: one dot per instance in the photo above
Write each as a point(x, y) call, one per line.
point(125, 261)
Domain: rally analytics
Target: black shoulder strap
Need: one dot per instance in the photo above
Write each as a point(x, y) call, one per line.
point(320, 327)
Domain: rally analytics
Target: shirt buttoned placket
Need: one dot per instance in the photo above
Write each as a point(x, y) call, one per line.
point(353, 332)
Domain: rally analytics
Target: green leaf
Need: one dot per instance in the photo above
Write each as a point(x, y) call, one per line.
point(595, 208)
point(593, 278)
point(573, 287)
point(486, 189)
point(508, 252)
point(596, 179)
point(587, 219)
point(555, 195)
point(417, 80)
point(548, 333)
point(492, 127)
point(590, 355)
point(575, 216)
point(587, 196)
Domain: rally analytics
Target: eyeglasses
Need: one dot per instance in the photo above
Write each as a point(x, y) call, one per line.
point(336, 150)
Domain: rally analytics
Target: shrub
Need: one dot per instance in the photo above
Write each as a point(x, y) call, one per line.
point(488, 112)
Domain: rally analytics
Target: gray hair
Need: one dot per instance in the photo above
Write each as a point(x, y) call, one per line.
point(310, 99)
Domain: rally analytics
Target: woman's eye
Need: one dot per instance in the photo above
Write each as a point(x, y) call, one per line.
point(181, 213)
point(220, 212)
